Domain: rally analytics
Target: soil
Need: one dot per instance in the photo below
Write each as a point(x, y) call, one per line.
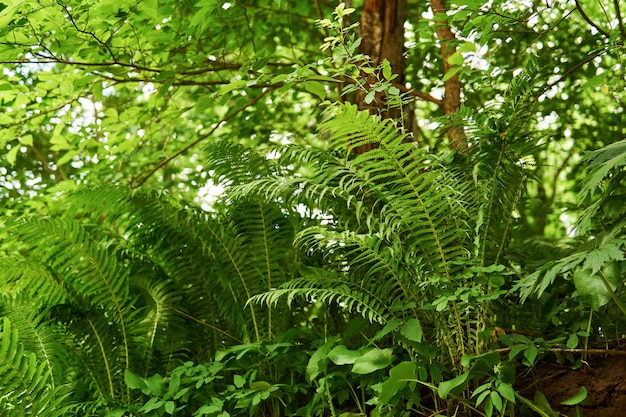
point(604, 377)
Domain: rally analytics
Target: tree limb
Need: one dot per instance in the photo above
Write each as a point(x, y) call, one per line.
point(588, 20)
point(137, 182)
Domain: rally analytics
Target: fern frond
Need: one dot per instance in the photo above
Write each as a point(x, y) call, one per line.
point(404, 185)
point(25, 385)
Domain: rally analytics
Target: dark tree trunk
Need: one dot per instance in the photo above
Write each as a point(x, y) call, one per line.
point(452, 87)
point(382, 33)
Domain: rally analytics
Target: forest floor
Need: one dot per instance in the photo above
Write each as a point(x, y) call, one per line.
point(604, 377)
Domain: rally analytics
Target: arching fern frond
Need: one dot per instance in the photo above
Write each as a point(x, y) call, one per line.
point(26, 389)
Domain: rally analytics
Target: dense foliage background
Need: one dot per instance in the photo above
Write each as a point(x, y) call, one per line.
point(304, 208)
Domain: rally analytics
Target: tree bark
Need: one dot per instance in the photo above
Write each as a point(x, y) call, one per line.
point(382, 34)
point(452, 86)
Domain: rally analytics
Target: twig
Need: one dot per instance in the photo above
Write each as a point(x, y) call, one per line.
point(620, 21)
point(204, 323)
point(34, 116)
point(588, 20)
point(613, 352)
point(140, 181)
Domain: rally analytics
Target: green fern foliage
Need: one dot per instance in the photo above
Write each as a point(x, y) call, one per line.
point(122, 280)
point(25, 381)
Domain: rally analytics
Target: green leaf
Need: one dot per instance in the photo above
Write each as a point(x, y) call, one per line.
point(572, 341)
point(452, 386)
point(506, 391)
point(597, 258)
point(451, 73)
point(456, 59)
point(134, 381)
point(239, 381)
point(7, 14)
point(591, 286)
point(341, 355)
point(316, 363)
point(580, 396)
point(373, 360)
point(386, 69)
point(399, 376)
point(316, 88)
point(496, 400)
point(12, 154)
point(412, 330)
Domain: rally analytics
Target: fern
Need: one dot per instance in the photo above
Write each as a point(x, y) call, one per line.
point(24, 381)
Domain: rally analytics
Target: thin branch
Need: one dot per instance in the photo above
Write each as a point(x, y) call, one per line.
point(204, 323)
point(591, 22)
point(85, 32)
point(420, 94)
point(43, 113)
point(137, 183)
point(620, 20)
point(614, 352)
point(570, 72)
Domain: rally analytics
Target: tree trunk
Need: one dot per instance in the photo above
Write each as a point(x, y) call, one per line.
point(452, 87)
point(382, 33)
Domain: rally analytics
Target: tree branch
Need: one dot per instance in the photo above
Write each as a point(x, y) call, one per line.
point(452, 86)
point(620, 20)
point(588, 20)
point(137, 182)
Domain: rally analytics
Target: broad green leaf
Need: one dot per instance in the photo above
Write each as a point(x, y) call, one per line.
point(454, 385)
point(451, 73)
point(590, 285)
point(134, 381)
point(412, 330)
point(315, 88)
point(373, 360)
point(399, 376)
point(506, 391)
point(341, 355)
point(316, 363)
point(578, 398)
point(7, 14)
point(12, 154)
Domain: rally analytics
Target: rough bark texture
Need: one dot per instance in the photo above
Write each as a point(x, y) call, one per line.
point(382, 33)
point(452, 87)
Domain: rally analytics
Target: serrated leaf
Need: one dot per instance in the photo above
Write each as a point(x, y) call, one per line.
point(412, 330)
point(598, 257)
